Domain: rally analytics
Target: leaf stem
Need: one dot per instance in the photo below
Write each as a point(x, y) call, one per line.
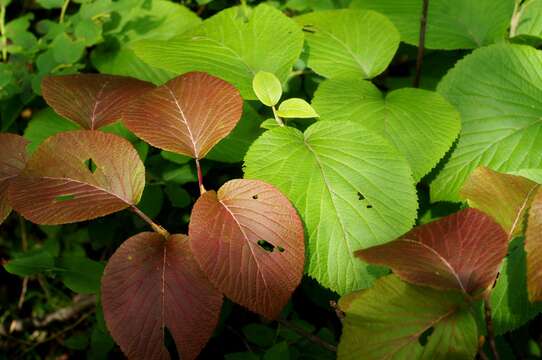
point(421, 44)
point(277, 117)
point(200, 178)
point(515, 18)
point(63, 11)
point(159, 229)
point(3, 32)
point(315, 339)
point(489, 326)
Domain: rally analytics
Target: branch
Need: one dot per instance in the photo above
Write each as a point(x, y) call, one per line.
point(489, 326)
point(315, 339)
point(159, 229)
point(421, 44)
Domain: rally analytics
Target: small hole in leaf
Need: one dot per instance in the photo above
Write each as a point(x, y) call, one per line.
point(424, 337)
point(266, 245)
point(369, 206)
point(67, 197)
point(280, 248)
point(255, 197)
point(360, 196)
point(90, 165)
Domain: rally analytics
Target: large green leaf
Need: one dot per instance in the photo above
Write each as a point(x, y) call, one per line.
point(162, 20)
point(231, 45)
point(396, 320)
point(337, 174)
point(498, 91)
point(451, 24)
point(420, 123)
point(529, 21)
point(349, 43)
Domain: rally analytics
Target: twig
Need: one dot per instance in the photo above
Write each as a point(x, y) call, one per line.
point(277, 117)
point(489, 326)
point(421, 44)
point(200, 178)
point(63, 11)
point(159, 229)
point(315, 339)
point(23, 293)
point(3, 32)
point(24, 246)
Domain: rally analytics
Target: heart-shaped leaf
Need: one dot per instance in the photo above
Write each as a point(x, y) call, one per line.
point(462, 251)
point(91, 100)
point(12, 162)
point(421, 124)
point(151, 284)
point(78, 175)
point(187, 115)
point(500, 114)
point(533, 247)
point(337, 174)
point(249, 241)
point(349, 43)
point(506, 198)
point(396, 320)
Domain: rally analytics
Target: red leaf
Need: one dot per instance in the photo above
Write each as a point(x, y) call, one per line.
point(78, 175)
point(12, 161)
point(533, 247)
point(187, 115)
point(150, 284)
point(91, 100)
point(462, 251)
point(249, 241)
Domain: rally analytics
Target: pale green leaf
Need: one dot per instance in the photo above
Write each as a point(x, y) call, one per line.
point(529, 21)
point(349, 43)
point(296, 108)
point(232, 46)
point(420, 123)
point(337, 175)
point(396, 320)
point(267, 88)
point(498, 91)
point(451, 24)
point(531, 174)
point(269, 124)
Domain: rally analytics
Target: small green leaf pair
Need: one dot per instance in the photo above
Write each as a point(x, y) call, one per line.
point(269, 91)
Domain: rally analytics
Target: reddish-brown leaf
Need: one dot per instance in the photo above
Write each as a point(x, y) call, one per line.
point(249, 241)
point(187, 115)
point(462, 251)
point(150, 284)
point(504, 197)
point(91, 100)
point(78, 175)
point(533, 247)
point(13, 158)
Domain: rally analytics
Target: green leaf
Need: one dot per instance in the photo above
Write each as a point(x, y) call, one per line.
point(349, 43)
point(531, 174)
point(421, 124)
point(529, 21)
point(337, 174)
point(50, 4)
point(296, 108)
point(279, 351)
point(178, 196)
point(451, 24)
point(151, 200)
point(259, 334)
point(233, 147)
point(31, 263)
point(101, 343)
point(80, 274)
point(231, 46)
point(174, 157)
point(497, 90)
point(242, 356)
point(269, 124)
point(77, 342)
point(509, 300)
point(267, 88)
point(65, 50)
point(44, 124)
point(89, 31)
point(402, 321)
point(179, 175)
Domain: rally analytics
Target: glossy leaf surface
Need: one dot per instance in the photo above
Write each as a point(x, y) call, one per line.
point(389, 321)
point(462, 251)
point(12, 161)
point(349, 43)
point(506, 198)
point(249, 241)
point(421, 124)
point(337, 174)
point(91, 100)
point(187, 115)
point(151, 284)
point(78, 175)
point(497, 89)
